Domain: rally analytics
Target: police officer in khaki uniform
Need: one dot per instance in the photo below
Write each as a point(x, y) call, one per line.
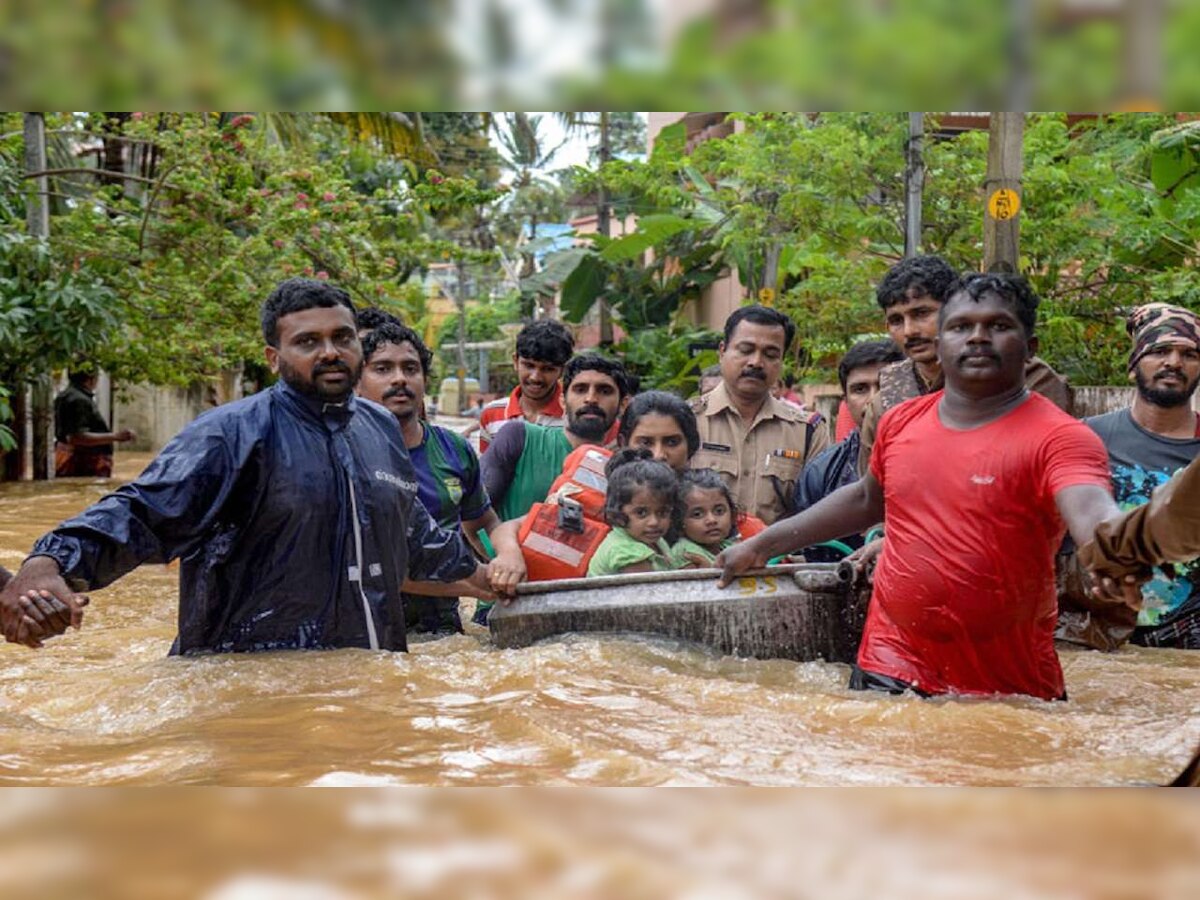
point(759, 444)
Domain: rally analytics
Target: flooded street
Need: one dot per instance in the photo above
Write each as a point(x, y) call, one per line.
point(107, 706)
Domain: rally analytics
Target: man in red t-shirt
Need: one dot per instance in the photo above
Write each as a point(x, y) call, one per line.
point(973, 484)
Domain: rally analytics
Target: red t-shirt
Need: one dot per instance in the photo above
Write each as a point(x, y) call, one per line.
point(845, 423)
point(964, 598)
point(500, 412)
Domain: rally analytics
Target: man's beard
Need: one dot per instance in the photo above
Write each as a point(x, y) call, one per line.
point(590, 429)
point(312, 388)
point(1167, 398)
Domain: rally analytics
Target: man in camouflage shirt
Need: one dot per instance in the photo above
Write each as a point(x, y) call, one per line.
point(912, 295)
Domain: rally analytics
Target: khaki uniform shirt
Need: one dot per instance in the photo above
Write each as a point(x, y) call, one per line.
point(760, 463)
point(901, 381)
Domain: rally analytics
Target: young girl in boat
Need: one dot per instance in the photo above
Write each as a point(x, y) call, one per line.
point(708, 516)
point(640, 507)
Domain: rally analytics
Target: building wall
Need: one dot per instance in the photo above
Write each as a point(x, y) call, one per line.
point(727, 293)
point(156, 414)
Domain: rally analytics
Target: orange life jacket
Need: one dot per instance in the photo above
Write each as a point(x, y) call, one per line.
point(552, 551)
point(559, 537)
point(748, 526)
point(583, 480)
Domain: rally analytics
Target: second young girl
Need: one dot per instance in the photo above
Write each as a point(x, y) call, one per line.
point(708, 515)
point(640, 506)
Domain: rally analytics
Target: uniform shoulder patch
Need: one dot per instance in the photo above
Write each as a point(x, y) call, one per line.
point(793, 413)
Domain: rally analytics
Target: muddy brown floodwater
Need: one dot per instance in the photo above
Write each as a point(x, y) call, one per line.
point(105, 705)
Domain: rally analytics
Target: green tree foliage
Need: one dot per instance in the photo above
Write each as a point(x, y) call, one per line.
point(669, 359)
point(812, 206)
point(51, 315)
point(227, 212)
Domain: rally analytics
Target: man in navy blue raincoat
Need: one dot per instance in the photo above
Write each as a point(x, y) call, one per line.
point(293, 512)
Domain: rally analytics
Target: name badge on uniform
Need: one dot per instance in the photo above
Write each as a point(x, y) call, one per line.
point(719, 448)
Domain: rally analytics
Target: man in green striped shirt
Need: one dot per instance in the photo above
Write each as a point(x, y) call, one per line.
point(395, 373)
point(524, 459)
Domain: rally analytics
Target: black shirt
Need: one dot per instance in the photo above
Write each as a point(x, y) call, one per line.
point(75, 412)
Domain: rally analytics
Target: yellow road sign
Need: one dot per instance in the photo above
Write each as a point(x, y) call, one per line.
point(766, 296)
point(1004, 204)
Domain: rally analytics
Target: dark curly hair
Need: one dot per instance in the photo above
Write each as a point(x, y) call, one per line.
point(392, 333)
point(297, 295)
point(1014, 290)
point(371, 317)
point(627, 471)
point(918, 276)
point(586, 362)
point(705, 480)
point(660, 403)
point(546, 341)
point(867, 353)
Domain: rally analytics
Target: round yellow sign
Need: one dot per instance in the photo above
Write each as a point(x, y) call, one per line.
point(766, 296)
point(1004, 204)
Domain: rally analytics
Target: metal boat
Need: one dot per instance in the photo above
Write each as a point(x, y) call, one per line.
point(799, 612)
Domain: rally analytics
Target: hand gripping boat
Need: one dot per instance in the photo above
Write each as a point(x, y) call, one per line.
point(799, 612)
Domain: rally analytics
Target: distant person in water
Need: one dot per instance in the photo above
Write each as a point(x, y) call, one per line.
point(83, 441)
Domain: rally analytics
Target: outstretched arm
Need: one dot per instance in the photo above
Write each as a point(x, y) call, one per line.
point(498, 465)
point(1084, 507)
point(1167, 529)
point(855, 507)
point(434, 553)
point(161, 515)
point(100, 438)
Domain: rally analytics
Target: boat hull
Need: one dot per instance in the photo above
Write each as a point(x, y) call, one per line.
point(803, 612)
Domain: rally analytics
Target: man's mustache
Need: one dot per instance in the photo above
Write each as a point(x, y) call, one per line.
point(589, 411)
point(399, 391)
point(753, 372)
point(1171, 373)
point(326, 368)
point(978, 354)
point(912, 343)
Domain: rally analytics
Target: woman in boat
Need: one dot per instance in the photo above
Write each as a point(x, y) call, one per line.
point(665, 425)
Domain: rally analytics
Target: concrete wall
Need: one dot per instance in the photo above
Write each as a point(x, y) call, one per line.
point(157, 414)
point(1094, 401)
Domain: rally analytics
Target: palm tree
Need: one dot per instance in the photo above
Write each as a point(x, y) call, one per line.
point(533, 199)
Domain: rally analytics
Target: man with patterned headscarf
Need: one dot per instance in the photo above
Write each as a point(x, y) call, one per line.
point(1149, 442)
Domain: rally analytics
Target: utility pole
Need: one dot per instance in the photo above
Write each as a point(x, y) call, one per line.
point(461, 269)
point(1002, 187)
point(603, 226)
point(1143, 54)
point(914, 183)
point(37, 223)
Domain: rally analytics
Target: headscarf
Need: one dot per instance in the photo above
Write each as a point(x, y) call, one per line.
point(1159, 324)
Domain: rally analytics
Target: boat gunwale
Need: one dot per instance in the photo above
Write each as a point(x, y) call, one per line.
point(840, 571)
